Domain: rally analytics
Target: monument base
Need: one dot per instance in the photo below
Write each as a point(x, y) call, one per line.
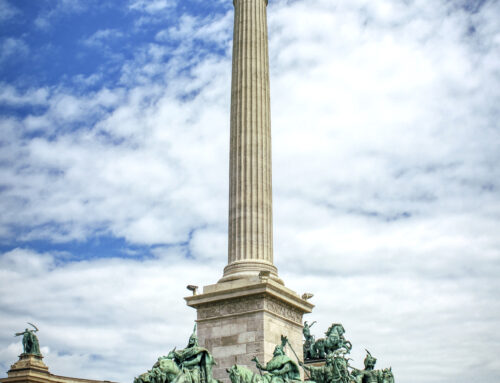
point(28, 364)
point(31, 369)
point(244, 318)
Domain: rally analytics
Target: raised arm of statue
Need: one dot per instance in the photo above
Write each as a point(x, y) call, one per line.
point(30, 340)
point(257, 364)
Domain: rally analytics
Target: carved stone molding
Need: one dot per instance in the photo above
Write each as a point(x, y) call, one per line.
point(250, 304)
point(231, 307)
point(284, 310)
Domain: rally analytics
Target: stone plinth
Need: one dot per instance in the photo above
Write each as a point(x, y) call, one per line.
point(245, 318)
point(28, 365)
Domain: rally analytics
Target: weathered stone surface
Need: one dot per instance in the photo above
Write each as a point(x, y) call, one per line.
point(242, 320)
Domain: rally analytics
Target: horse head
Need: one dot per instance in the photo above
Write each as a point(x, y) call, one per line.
point(387, 375)
point(234, 374)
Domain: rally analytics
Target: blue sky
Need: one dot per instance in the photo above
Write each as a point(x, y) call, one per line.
point(114, 136)
point(68, 39)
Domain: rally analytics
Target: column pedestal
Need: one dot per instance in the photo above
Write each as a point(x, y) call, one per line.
point(245, 318)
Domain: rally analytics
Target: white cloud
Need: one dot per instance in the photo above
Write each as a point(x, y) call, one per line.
point(386, 202)
point(12, 49)
point(9, 95)
point(62, 7)
point(7, 11)
point(215, 29)
point(151, 6)
point(151, 11)
point(101, 37)
point(81, 303)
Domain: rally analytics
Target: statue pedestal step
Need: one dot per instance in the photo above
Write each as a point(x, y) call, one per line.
point(28, 364)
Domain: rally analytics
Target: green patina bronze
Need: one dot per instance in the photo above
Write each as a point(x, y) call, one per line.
point(309, 340)
point(194, 364)
point(333, 349)
point(30, 341)
point(370, 375)
point(334, 340)
point(190, 365)
point(280, 369)
point(335, 369)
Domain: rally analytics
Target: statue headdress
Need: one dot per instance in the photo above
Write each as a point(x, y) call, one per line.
point(193, 339)
point(369, 359)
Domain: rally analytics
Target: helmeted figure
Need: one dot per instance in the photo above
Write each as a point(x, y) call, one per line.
point(197, 360)
point(280, 367)
point(369, 374)
point(190, 365)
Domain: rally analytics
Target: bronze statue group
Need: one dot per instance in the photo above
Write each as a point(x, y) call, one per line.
point(30, 341)
point(194, 364)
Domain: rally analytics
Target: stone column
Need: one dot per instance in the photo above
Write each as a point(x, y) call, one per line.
point(250, 249)
point(247, 311)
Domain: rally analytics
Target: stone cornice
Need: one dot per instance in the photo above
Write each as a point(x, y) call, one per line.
point(231, 291)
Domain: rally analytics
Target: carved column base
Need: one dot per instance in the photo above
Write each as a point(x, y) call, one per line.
point(245, 318)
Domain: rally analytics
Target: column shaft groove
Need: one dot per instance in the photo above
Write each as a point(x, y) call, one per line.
point(250, 245)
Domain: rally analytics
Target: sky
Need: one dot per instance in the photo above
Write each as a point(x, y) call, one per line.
point(114, 149)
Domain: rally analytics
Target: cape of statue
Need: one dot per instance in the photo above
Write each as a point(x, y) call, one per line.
point(198, 361)
point(190, 365)
point(283, 366)
point(280, 369)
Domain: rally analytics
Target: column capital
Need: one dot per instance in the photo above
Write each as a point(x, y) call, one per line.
point(234, 2)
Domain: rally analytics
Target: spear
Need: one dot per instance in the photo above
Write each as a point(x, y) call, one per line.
point(294, 353)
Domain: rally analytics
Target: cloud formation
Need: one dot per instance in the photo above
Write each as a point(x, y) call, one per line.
point(7, 11)
point(13, 49)
point(386, 204)
point(62, 7)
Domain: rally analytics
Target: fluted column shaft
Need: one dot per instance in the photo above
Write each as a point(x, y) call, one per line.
point(250, 247)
